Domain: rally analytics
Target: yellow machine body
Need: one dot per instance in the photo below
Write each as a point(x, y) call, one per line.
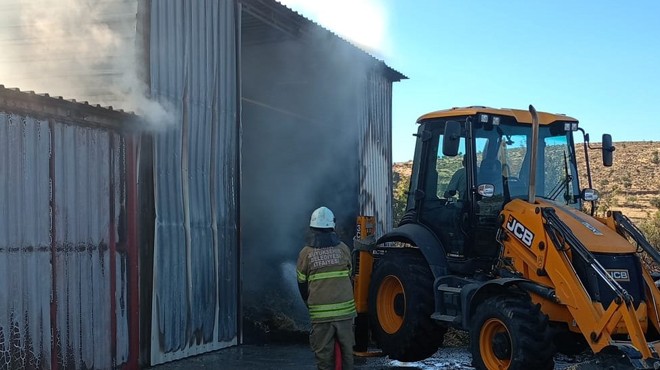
point(514, 262)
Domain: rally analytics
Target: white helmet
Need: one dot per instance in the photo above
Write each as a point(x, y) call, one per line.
point(322, 218)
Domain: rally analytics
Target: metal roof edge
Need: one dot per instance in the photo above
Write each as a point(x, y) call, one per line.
point(295, 23)
point(46, 106)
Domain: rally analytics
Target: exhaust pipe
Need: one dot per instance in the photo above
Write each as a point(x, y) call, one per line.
point(532, 160)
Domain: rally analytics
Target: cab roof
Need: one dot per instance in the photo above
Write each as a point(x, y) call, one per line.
point(521, 116)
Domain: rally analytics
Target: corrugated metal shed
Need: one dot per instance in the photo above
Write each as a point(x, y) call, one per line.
point(66, 256)
point(214, 62)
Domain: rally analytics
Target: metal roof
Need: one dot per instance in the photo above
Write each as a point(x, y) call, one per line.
point(44, 105)
point(521, 116)
point(267, 21)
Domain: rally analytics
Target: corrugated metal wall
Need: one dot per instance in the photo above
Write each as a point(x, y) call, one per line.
point(375, 151)
point(62, 254)
point(193, 56)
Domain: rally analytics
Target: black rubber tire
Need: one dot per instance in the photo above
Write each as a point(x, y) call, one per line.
point(418, 336)
point(514, 335)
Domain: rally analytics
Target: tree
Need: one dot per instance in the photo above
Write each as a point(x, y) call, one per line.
point(399, 195)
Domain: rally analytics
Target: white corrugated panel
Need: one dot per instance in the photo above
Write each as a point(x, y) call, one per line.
point(25, 246)
point(193, 56)
point(376, 151)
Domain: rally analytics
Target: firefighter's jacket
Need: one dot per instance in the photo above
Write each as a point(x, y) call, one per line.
point(324, 275)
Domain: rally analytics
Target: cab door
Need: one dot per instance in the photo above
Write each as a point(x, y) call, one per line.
point(488, 198)
point(442, 191)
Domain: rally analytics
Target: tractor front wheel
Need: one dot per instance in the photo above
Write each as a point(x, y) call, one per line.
point(401, 303)
point(510, 333)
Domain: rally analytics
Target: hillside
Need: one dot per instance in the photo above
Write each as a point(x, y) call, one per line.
point(631, 185)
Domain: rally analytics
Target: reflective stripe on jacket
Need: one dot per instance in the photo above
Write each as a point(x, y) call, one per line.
point(327, 272)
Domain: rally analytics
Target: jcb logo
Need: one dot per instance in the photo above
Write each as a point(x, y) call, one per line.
point(619, 275)
point(520, 231)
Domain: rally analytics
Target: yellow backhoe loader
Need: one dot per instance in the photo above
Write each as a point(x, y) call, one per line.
point(496, 241)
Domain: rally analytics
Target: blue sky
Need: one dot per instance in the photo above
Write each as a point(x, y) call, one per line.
point(597, 61)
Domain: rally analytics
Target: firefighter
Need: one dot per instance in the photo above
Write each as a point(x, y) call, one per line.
point(324, 270)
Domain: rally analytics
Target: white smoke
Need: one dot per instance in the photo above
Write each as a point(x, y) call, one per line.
point(363, 22)
point(77, 49)
point(50, 23)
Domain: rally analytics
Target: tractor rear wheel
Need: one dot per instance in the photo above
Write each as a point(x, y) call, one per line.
point(401, 303)
point(510, 333)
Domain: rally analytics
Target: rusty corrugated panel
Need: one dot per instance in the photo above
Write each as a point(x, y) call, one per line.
point(61, 246)
point(193, 56)
point(82, 228)
point(375, 148)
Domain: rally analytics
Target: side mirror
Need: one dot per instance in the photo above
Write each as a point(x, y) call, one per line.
point(486, 190)
point(589, 195)
point(451, 138)
point(608, 150)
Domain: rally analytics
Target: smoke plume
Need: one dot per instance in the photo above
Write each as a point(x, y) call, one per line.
point(77, 49)
point(363, 22)
point(300, 137)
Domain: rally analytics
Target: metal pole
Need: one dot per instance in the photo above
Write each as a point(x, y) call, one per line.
point(534, 149)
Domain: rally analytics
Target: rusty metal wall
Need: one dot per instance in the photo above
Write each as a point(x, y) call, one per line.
point(193, 67)
point(375, 151)
point(62, 254)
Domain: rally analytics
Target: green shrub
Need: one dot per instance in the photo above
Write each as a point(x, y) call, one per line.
point(655, 202)
point(651, 229)
point(399, 196)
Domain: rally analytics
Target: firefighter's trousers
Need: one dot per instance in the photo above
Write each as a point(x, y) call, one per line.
point(322, 340)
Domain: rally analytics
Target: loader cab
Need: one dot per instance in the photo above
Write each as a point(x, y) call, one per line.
point(468, 166)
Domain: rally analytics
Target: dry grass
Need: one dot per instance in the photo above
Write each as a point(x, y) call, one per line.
point(632, 184)
point(456, 338)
